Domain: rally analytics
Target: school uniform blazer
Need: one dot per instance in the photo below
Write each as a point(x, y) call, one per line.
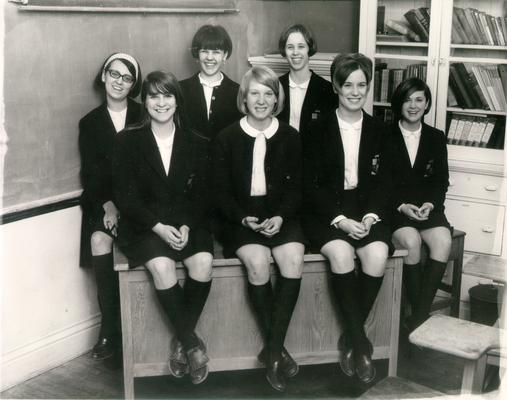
point(146, 195)
point(223, 108)
point(428, 179)
point(325, 169)
point(233, 158)
point(96, 137)
point(319, 100)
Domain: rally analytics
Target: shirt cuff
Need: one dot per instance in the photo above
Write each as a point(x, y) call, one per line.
point(337, 220)
point(399, 207)
point(373, 215)
point(431, 204)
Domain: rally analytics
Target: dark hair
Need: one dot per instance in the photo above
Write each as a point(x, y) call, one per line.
point(344, 64)
point(404, 91)
point(165, 83)
point(136, 87)
point(307, 34)
point(211, 37)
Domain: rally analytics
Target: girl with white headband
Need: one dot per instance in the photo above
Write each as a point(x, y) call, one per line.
point(258, 192)
point(120, 79)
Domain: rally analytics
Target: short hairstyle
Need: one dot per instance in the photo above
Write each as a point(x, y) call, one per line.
point(165, 83)
point(344, 64)
point(136, 87)
point(212, 37)
point(307, 34)
point(265, 76)
point(405, 90)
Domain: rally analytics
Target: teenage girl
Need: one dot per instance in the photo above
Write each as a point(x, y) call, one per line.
point(120, 79)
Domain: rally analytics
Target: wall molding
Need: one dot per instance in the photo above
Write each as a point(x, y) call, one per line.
point(48, 352)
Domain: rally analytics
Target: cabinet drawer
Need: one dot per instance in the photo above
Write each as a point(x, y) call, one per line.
point(483, 224)
point(485, 187)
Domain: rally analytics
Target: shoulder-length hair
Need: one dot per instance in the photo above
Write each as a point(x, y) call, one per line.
point(211, 37)
point(136, 87)
point(405, 90)
point(265, 76)
point(307, 34)
point(344, 64)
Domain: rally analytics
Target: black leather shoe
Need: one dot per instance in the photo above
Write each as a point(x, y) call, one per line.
point(365, 369)
point(289, 366)
point(198, 363)
point(114, 362)
point(275, 376)
point(104, 348)
point(346, 361)
point(178, 363)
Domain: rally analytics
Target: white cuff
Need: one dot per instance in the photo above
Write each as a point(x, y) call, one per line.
point(373, 215)
point(399, 207)
point(337, 220)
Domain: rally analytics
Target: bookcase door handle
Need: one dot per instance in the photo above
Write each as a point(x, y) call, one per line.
point(451, 182)
point(491, 188)
point(441, 61)
point(487, 229)
point(433, 61)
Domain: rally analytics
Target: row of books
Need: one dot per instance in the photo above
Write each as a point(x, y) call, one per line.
point(475, 131)
point(478, 86)
point(471, 26)
point(416, 28)
point(386, 80)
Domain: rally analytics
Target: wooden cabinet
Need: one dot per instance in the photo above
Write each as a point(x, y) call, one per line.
point(477, 194)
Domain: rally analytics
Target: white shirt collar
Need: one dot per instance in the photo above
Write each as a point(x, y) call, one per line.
point(348, 126)
point(407, 134)
point(165, 142)
point(303, 85)
point(212, 84)
point(251, 131)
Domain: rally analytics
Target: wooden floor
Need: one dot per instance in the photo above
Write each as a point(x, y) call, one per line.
point(84, 378)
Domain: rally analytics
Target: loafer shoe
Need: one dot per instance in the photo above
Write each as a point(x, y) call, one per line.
point(289, 366)
point(346, 361)
point(275, 376)
point(178, 363)
point(104, 348)
point(198, 363)
point(365, 369)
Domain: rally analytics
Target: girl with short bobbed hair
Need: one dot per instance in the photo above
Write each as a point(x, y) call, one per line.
point(257, 176)
point(307, 94)
point(420, 175)
point(345, 209)
point(161, 183)
point(119, 78)
point(210, 95)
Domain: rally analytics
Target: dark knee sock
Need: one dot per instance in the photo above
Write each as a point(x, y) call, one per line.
point(370, 286)
point(261, 297)
point(172, 301)
point(432, 276)
point(108, 293)
point(287, 292)
point(412, 281)
point(346, 291)
point(196, 294)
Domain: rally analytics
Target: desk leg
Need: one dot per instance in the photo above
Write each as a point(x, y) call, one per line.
point(395, 316)
point(457, 269)
point(473, 375)
point(126, 327)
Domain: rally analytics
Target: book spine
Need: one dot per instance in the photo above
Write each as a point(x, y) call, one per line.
point(476, 70)
point(416, 25)
point(492, 29)
point(485, 26)
point(499, 31)
point(461, 87)
point(459, 129)
point(466, 27)
point(502, 72)
point(457, 30)
point(478, 24)
point(468, 85)
point(451, 132)
point(486, 136)
point(471, 24)
point(466, 131)
point(477, 89)
point(404, 30)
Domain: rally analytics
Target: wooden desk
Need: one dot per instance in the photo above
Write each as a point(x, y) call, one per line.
point(228, 327)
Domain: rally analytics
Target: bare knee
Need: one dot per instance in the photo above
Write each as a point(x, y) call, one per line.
point(163, 271)
point(341, 260)
point(200, 266)
point(373, 258)
point(291, 266)
point(258, 270)
point(440, 245)
point(101, 243)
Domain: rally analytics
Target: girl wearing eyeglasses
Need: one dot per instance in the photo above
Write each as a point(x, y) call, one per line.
point(160, 172)
point(120, 79)
point(258, 191)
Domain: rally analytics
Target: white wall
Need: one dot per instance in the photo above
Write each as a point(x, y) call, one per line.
point(49, 306)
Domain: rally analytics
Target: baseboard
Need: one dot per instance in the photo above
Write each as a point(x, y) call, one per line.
point(48, 352)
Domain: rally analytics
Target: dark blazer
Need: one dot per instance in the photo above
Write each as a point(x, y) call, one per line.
point(325, 169)
point(223, 109)
point(428, 179)
point(319, 100)
point(233, 158)
point(96, 136)
point(146, 195)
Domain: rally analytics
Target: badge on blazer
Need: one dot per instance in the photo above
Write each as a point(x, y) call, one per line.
point(429, 168)
point(315, 114)
point(190, 183)
point(375, 161)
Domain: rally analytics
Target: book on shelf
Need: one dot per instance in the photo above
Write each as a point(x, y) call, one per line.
point(502, 72)
point(463, 140)
point(459, 88)
point(404, 30)
point(451, 130)
point(499, 31)
point(458, 35)
point(484, 21)
point(471, 26)
point(475, 130)
point(392, 37)
point(381, 13)
point(468, 35)
point(492, 29)
point(503, 23)
point(415, 19)
point(386, 80)
point(470, 20)
point(464, 76)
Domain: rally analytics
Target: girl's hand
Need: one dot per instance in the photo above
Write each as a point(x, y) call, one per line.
point(367, 224)
point(424, 211)
point(111, 217)
point(272, 226)
point(411, 211)
point(169, 234)
point(185, 231)
point(354, 229)
point(252, 223)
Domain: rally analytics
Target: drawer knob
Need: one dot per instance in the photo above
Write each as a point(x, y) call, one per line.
point(487, 229)
point(491, 188)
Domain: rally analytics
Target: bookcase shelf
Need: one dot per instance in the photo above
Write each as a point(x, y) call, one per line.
point(478, 152)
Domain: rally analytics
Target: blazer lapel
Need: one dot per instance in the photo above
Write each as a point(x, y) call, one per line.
point(337, 149)
point(152, 154)
point(364, 162)
point(403, 151)
point(179, 159)
point(420, 158)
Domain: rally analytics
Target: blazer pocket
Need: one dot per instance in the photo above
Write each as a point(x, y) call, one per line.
point(375, 161)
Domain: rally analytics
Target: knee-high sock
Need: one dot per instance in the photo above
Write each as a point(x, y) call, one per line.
point(287, 292)
point(432, 276)
point(172, 301)
point(108, 293)
point(261, 297)
point(196, 294)
point(370, 286)
point(412, 280)
point(346, 291)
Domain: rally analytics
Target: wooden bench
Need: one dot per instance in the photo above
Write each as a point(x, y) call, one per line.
point(228, 327)
point(463, 339)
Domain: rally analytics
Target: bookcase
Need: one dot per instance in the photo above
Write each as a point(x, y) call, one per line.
point(459, 47)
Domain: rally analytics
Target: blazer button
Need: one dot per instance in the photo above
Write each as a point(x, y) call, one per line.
point(212, 97)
